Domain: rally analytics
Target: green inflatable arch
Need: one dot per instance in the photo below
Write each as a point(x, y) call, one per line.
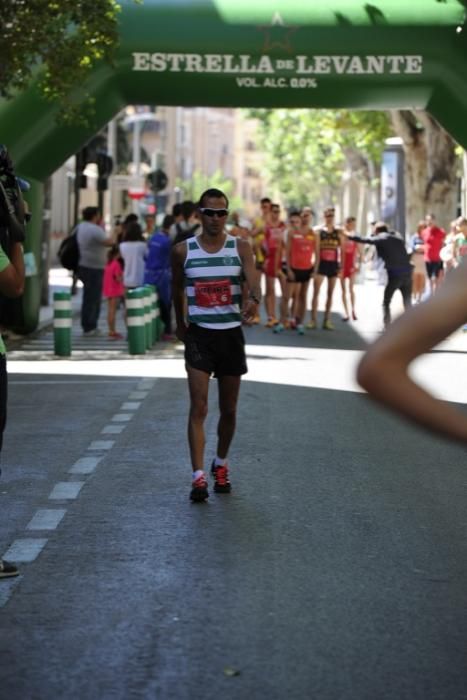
point(271, 53)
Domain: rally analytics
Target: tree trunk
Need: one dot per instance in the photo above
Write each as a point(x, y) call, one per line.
point(430, 168)
point(364, 169)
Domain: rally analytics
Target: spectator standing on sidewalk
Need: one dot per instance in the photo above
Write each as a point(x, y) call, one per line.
point(157, 271)
point(92, 243)
point(133, 250)
point(460, 242)
point(188, 226)
point(433, 238)
point(113, 289)
point(417, 250)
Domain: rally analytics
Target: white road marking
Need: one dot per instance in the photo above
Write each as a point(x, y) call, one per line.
point(25, 550)
point(101, 445)
point(138, 395)
point(146, 384)
point(46, 519)
point(85, 465)
point(130, 406)
point(6, 589)
point(66, 490)
point(72, 381)
point(28, 549)
point(122, 417)
point(114, 429)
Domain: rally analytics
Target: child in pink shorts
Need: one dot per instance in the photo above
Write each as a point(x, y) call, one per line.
point(113, 288)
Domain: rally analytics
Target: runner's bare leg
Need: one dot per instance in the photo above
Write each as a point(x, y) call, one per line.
point(198, 383)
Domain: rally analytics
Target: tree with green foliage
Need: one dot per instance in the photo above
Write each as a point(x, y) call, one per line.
point(307, 151)
point(193, 187)
point(60, 41)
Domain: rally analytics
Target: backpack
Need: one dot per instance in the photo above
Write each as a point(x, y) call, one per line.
point(68, 253)
point(183, 234)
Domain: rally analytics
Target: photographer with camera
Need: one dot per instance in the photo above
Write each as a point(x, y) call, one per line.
point(13, 217)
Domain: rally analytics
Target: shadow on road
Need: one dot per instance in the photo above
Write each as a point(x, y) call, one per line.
point(344, 337)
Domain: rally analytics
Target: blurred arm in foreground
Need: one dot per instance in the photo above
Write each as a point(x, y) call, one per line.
point(383, 371)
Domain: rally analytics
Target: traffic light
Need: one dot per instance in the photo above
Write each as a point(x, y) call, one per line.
point(157, 180)
point(104, 169)
point(82, 159)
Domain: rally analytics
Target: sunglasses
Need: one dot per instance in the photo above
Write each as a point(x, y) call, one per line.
point(220, 213)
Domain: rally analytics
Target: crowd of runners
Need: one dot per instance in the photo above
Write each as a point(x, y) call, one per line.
point(294, 252)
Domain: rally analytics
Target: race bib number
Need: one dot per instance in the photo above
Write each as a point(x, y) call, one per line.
point(329, 255)
point(216, 293)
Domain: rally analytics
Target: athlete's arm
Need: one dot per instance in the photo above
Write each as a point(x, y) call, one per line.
point(178, 257)
point(342, 238)
point(250, 309)
point(317, 250)
point(288, 252)
point(256, 231)
point(257, 247)
point(372, 240)
point(360, 254)
point(383, 371)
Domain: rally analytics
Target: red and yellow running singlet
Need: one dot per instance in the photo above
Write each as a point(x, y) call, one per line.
point(301, 251)
point(329, 245)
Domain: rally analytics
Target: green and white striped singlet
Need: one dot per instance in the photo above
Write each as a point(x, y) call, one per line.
point(212, 285)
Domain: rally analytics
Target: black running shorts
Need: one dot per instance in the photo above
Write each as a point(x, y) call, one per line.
point(433, 269)
point(328, 268)
point(302, 276)
point(218, 352)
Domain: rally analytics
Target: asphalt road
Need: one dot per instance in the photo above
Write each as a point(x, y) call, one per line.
point(336, 569)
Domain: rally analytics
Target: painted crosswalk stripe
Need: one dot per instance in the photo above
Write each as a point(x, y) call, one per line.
point(69, 381)
point(146, 384)
point(66, 490)
point(85, 465)
point(25, 550)
point(46, 519)
point(101, 445)
point(113, 429)
point(130, 406)
point(138, 395)
point(122, 417)
point(6, 589)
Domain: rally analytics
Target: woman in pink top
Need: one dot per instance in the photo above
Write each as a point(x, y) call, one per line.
point(113, 288)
